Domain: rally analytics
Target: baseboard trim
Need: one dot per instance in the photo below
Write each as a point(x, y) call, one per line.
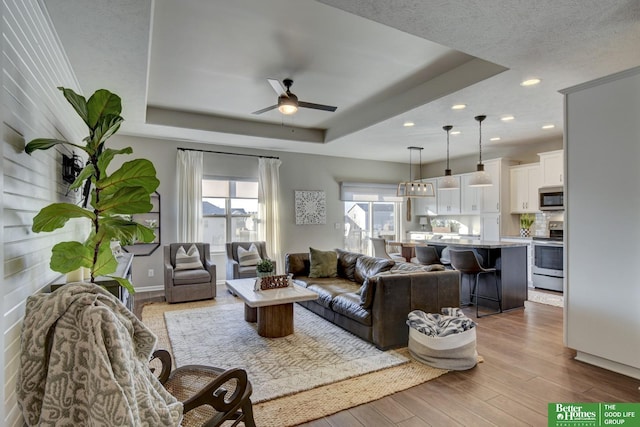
point(610, 365)
point(155, 288)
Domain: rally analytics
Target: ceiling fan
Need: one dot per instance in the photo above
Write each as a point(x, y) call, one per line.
point(288, 102)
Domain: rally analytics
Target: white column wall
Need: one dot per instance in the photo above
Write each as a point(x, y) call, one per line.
point(602, 156)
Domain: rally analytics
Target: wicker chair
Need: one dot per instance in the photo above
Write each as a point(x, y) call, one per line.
point(211, 396)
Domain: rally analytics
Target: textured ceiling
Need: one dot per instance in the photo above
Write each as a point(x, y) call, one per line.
point(196, 69)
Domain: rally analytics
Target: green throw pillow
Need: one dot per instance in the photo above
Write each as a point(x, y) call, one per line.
point(323, 263)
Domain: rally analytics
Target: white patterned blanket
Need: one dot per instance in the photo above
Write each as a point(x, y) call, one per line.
point(85, 361)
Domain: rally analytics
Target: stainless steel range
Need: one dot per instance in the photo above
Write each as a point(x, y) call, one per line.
point(548, 258)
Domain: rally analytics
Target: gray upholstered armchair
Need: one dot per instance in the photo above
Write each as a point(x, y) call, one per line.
point(191, 284)
point(234, 269)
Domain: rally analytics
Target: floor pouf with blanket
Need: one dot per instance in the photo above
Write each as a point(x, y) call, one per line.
point(444, 341)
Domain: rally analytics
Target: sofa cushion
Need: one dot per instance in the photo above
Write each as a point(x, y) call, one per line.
point(349, 306)
point(248, 257)
point(367, 266)
point(188, 260)
point(365, 293)
point(347, 264)
point(323, 263)
point(327, 290)
point(189, 277)
point(405, 267)
point(297, 264)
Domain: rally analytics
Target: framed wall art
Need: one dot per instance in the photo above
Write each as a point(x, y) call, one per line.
point(311, 207)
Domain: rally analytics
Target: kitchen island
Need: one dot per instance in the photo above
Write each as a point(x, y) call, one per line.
point(510, 261)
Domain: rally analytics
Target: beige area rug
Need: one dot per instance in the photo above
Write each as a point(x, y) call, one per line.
point(317, 353)
point(320, 401)
point(548, 298)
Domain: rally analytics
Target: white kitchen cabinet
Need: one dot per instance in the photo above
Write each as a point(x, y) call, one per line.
point(471, 197)
point(427, 205)
point(490, 227)
point(525, 181)
point(491, 195)
point(449, 200)
point(552, 168)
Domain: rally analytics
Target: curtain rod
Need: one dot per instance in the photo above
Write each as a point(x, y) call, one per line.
point(230, 154)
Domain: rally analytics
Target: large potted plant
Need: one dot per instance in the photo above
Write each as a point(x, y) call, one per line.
point(111, 196)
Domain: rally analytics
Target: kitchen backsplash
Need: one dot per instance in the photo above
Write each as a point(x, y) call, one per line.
point(540, 228)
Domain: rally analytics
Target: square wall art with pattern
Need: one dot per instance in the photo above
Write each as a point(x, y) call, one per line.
point(311, 207)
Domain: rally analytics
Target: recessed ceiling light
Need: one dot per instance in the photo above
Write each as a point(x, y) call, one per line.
point(530, 82)
point(456, 132)
point(459, 107)
point(507, 118)
point(495, 138)
point(408, 124)
point(548, 126)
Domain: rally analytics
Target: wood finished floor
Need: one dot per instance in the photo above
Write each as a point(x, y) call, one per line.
point(526, 366)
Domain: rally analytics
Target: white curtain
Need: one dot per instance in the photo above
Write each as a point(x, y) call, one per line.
point(189, 165)
point(268, 204)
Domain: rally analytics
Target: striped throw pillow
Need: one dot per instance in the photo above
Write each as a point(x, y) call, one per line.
point(188, 260)
point(247, 257)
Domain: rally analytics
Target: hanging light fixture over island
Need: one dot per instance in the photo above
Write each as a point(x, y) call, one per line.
point(480, 178)
point(448, 182)
point(412, 188)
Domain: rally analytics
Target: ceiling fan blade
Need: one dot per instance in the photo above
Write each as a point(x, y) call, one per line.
point(264, 110)
point(317, 106)
point(277, 86)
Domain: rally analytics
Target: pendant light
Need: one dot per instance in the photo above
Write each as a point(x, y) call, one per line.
point(448, 182)
point(480, 178)
point(413, 188)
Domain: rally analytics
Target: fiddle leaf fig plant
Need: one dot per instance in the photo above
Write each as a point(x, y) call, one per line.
point(114, 196)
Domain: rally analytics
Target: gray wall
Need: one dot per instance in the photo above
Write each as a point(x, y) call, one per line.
point(298, 172)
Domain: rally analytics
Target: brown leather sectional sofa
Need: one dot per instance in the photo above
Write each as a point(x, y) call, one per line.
point(371, 297)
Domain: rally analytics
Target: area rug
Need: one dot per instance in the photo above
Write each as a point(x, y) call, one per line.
point(547, 298)
point(317, 353)
point(318, 402)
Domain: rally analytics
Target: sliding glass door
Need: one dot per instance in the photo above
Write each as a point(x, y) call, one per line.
point(364, 220)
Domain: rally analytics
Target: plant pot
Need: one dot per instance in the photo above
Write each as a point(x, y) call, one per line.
point(525, 232)
point(264, 273)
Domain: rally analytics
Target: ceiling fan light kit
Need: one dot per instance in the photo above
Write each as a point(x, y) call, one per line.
point(448, 182)
point(480, 178)
point(287, 105)
point(288, 102)
point(413, 188)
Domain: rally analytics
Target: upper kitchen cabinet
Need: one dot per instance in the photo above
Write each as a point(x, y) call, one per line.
point(492, 197)
point(552, 168)
point(471, 197)
point(525, 181)
point(448, 200)
point(496, 198)
point(427, 205)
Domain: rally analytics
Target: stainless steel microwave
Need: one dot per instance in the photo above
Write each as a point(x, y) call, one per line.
point(551, 198)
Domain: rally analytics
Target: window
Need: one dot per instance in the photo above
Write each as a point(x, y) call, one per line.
point(364, 220)
point(229, 211)
point(370, 210)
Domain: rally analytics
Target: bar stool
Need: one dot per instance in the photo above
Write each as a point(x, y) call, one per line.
point(426, 255)
point(466, 262)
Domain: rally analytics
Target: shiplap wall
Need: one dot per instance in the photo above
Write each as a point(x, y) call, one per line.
point(33, 65)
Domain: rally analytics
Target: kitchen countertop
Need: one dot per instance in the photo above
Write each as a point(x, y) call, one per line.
point(475, 243)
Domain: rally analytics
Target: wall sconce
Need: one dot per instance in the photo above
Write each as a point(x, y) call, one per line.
point(71, 167)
